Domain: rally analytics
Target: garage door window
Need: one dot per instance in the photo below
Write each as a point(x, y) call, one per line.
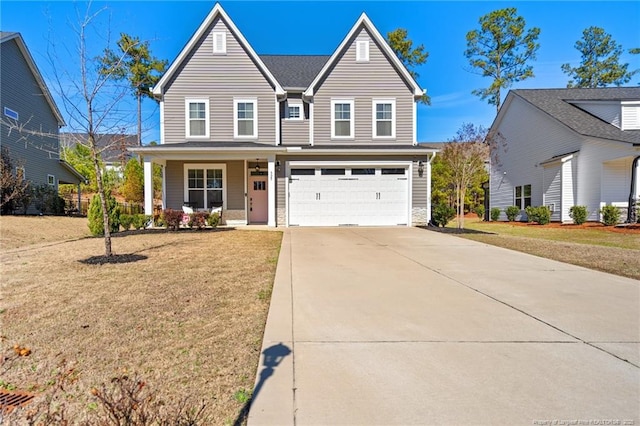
point(332, 172)
point(393, 171)
point(303, 172)
point(363, 172)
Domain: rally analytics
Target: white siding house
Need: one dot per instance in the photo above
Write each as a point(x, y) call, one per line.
point(567, 147)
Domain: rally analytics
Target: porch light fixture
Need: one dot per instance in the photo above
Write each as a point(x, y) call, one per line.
point(257, 166)
point(420, 168)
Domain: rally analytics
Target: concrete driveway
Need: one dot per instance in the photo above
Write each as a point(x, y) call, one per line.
point(402, 326)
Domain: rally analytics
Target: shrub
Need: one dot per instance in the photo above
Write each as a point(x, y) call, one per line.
point(46, 200)
point(540, 214)
point(479, 210)
point(610, 215)
point(578, 214)
point(95, 214)
point(140, 221)
point(495, 214)
point(442, 214)
point(126, 220)
point(213, 220)
point(512, 212)
point(172, 218)
point(198, 219)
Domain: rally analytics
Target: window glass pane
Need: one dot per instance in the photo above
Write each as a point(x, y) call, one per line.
point(196, 199)
point(245, 127)
point(343, 111)
point(294, 112)
point(363, 171)
point(196, 110)
point(245, 110)
point(527, 202)
point(393, 171)
point(196, 178)
point(383, 128)
point(331, 172)
point(197, 128)
point(383, 111)
point(303, 172)
point(214, 198)
point(518, 191)
point(214, 178)
point(343, 128)
point(527, 190)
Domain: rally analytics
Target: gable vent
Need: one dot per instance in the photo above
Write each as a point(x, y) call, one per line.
point(219, 42)
point(631, 116)
point(362, 51)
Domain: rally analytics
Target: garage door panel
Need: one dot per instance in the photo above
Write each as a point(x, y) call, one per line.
point(333, 200)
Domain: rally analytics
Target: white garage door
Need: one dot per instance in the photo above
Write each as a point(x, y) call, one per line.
point(348, 196)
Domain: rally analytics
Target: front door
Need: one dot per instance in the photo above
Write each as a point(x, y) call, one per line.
point(258, 200)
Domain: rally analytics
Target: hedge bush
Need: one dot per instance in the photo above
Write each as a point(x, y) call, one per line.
point(213, 220)
point(495, 214)
point(479, 210)
point(578, 214)
point(610, 215)
point(442, 214)
point(95, 214)
point(512, 212)
point(539, 214)
point(126, 220)
point(172, 218)
point(140, 220)
point(198, 219)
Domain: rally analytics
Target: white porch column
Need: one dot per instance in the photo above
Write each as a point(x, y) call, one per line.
point(271, 190)
point(428, 173)
point(148, 186)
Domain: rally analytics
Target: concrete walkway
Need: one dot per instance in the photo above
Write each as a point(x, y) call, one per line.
point(404, 326)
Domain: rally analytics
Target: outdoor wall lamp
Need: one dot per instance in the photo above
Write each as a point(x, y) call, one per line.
point(257, 166)
point(420, 168)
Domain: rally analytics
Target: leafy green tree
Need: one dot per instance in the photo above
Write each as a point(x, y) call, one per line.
point(411, 57)
point(501, 49)
point(133, 186)
point(600, 65)
point(95, 216)
point(80, 157)
point(134, 63)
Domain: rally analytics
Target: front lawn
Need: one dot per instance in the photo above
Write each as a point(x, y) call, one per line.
point(594, 246)
point(185, 316)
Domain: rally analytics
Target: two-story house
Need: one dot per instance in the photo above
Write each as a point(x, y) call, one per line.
point(30, 120)
point(291, 140)
point(567, 147)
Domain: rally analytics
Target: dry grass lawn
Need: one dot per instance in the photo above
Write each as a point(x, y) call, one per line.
point(592, 246)
point(187, 317)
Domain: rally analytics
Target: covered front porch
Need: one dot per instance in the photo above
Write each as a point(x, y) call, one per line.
point(239, 178)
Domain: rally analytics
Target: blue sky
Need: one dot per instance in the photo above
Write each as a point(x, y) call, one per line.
point(294, 27)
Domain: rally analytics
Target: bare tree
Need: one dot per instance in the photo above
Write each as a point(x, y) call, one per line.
point(465, 155)
point(90, 95)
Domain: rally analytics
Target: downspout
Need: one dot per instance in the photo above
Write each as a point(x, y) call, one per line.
point(631, 212)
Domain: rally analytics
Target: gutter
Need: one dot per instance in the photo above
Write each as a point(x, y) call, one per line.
point(631, 211)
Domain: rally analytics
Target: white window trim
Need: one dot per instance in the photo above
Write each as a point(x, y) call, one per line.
point(333, 119)
point(254, 101)
point(187, 127)
point(12, 114)
point(51, 177)
point(374, 121)
point(360, 55)
point(205, 166)
point(296, 103)
point(222, 34)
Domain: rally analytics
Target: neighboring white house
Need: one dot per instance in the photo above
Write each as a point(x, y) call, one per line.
point(567, 147)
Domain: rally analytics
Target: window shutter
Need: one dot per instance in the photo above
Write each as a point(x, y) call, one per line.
point(219, 42)
point(362, 51)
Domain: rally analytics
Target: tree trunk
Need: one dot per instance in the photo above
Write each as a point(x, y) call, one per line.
point(103, 198)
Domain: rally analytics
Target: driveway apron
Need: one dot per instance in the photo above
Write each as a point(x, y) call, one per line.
point(404, 326)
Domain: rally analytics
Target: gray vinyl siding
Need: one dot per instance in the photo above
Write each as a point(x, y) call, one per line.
point(175, 196)
point(294, 132)
point(363, 82)
point(552, 188)
point(19, 90)
point(418, 188)
point(219, 78)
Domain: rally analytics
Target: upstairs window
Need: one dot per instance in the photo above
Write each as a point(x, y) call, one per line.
point(384, 118)
point(220, 42)
point(197, 118)
point(246, 118)
point(51, 180)
point(342, 123)
point(522, 196)
point(362, 51)
point(294, 110)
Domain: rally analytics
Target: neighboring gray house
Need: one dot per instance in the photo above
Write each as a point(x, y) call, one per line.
point(291, 140)
point(567, 147)
point(113, 147)
point(30, 118)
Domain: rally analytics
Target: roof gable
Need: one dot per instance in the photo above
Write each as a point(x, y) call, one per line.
point(216, 12)
point(559, 104)
point(7, 36)
point(295, 72)
point(365, 22)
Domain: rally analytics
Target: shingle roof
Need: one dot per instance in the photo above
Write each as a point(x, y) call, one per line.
point(558, 104)
point(294, 71)
point(113, 145)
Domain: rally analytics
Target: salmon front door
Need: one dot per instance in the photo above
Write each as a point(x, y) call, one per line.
point(258, 200)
